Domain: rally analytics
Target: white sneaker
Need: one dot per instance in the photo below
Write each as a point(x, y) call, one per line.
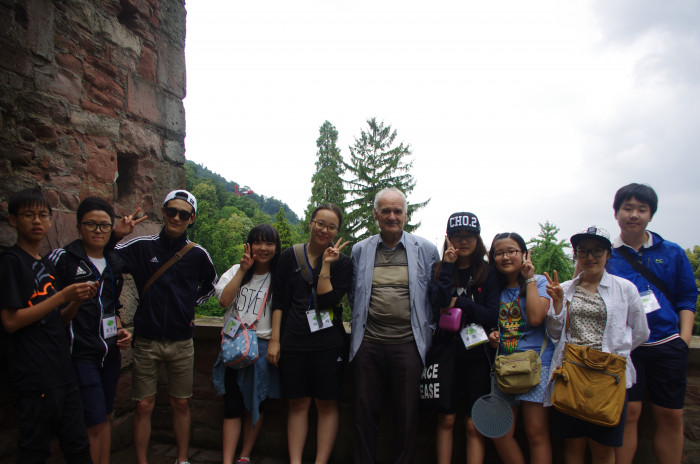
point(182, 462)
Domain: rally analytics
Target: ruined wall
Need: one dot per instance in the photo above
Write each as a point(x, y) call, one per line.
point(91, 105)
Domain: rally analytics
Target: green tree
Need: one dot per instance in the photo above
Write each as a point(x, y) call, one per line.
point(547, 253)
point(376, 163)
point(694, 258)
point(327, 183)
point(283, 228)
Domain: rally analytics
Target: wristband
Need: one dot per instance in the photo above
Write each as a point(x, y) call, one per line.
point(531, 279)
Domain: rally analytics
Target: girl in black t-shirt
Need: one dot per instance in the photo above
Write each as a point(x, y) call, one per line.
point(308, 338)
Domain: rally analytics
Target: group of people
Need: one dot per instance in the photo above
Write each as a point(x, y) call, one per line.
point(64, 331)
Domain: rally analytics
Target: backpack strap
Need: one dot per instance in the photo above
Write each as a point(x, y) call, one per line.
point(645, 272)
point(307, 274)
point(176, 257)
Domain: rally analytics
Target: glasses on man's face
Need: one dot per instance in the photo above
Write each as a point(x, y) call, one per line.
point(322, 225)
point(183, 214)
point(509, 253)
point(93, 226)
point(30, 215)
point(595, 252)
point(463, 238)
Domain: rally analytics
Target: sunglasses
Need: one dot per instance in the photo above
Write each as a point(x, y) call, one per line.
point(172, 212)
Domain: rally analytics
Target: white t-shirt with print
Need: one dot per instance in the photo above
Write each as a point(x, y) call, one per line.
point(247, 303)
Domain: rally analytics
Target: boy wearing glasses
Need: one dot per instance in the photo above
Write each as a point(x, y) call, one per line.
point(164, 319)
point(47, 399)
point(96, 332)
point(661, 272)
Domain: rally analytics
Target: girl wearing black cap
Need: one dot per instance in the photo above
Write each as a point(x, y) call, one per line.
point(605, 312)
point(463, 279)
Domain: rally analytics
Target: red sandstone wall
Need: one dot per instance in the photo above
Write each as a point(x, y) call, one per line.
point(91, 104)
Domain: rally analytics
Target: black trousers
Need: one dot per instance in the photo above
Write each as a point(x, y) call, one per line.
point(395, 370)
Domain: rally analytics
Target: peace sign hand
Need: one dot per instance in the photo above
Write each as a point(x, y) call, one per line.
point(247, 259)
point(554, 290)
point(126, 224)
point(450, 255)
point(332, 253)
point(527, 269)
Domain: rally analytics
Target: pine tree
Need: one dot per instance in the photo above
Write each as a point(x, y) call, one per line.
point(283, 228)
point(327, 183)
point(375, 163)
point(548, 253)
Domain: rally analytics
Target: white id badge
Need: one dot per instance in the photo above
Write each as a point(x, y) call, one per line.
point(649, 301)
point(473, 335)
point(313, 323)
point(231, 326)
point(109, 326)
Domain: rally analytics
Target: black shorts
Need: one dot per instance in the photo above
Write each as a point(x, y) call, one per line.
point(234, 405)
point(661, 370)
point(315, 374)
point(98, 387)
point(57, 411)
point(566, 426)
point(472, 378)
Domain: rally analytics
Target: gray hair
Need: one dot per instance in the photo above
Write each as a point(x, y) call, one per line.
point(383, 191)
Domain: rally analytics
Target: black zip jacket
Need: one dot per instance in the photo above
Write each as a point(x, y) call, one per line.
point(166, 310)
point(85, 332)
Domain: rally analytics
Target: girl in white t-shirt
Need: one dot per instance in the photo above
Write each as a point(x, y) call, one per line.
point(245, 291)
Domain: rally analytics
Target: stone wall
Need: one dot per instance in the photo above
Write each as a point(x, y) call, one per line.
point(91, 105)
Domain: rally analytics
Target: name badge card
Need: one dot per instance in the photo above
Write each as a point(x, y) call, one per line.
point(473, 335)
point(109, 326)
point(313, 322)
point(231, 326)
point(649, 301)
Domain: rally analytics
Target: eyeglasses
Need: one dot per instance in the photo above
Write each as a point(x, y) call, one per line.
point(595, 252)
point(30, 215)
point(172, 212)
point(466, 238)
point(509, 253)
point(322, 225)
point(93, 226)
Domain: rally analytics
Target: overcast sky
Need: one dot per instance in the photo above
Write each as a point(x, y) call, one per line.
point(520, 112)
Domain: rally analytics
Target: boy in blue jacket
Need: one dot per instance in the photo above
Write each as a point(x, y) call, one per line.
point(662, 273)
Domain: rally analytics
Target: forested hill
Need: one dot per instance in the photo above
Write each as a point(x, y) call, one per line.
point(269, 205)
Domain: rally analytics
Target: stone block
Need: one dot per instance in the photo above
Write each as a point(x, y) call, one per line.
point(69, 62)
point(103, 81)
point(95, 64)
point(69, 200)
point(117, 33)
point(171, 68)
point(143, 100)
point(172, 17)
point(101, 164)
point(62, 82)
point(41, 27)
point(147, 65)
point(174, 151)
point(142, 7)
point(137, 138)
point(93, 124)
point(174, 114)
point(110, 101)
point(15, 59)
point(97, 108)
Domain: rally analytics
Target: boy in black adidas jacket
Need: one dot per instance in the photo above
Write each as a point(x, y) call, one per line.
point(164, 319)
point(96, 332)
